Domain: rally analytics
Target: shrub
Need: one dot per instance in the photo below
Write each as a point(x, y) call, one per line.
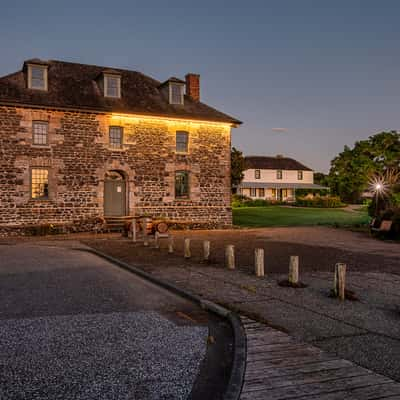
point(391, 214)
point(319, 202)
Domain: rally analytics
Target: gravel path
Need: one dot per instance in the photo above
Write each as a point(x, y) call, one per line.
point(74, 326)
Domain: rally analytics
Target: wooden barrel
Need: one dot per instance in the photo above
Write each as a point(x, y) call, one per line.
point(147, 225)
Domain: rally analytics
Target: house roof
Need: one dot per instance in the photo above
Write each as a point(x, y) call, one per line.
point(75, 86)
point(278, 162)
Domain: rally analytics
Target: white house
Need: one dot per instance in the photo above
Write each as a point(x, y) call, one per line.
point(275, 178)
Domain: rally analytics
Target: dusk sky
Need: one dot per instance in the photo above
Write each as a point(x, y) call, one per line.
point(306, 77)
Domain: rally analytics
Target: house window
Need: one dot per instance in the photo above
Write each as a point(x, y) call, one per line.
point(39, 183)
point(279, 174)
point(182, 141)
point(300, 175)
point(112, 86)
point(37, 77)
point(253, 192)
point(175, 93)
point(257, 174)
point(181, 184)
point(261, 192)
point(116, 137)
point(40, 132)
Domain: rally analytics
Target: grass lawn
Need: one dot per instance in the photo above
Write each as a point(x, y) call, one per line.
point(292, 216)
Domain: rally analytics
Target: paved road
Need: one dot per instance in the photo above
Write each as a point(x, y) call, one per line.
point(73, 326)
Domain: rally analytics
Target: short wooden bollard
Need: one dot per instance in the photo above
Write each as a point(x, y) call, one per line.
point(206, 250)
point(134, 233)
point(156, 241)
point(170, 245)
point(187, 253)
point(339, 283)
point(294, 270)
point(230, 256)
point(259, 262)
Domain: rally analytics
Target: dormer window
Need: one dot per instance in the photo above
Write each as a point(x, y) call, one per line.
point(37, 77)
point(112, 86)
point(175, 93)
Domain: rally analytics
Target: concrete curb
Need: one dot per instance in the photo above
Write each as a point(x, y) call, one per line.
point(236, 379)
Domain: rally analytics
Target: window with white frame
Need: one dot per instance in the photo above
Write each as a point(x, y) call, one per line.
point(112, 86)
point(300, 175)
point(182, 141)
point(257, 174)
point(279, 174)
point(40, 132)
point(37, 77)
point(39, 183)
point(115, 137)
point(253, 192)
point(176, 93)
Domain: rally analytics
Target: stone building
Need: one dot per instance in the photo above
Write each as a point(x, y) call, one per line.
point(78, 142)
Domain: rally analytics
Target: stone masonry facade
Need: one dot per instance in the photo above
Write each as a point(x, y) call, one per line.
point(78, 155)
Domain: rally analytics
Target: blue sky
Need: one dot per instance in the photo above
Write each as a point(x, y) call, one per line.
point(326, 72)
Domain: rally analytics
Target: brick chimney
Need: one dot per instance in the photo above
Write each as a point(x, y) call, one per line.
point(193, 86)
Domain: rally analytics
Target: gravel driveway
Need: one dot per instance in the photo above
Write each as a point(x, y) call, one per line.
point(74, 326)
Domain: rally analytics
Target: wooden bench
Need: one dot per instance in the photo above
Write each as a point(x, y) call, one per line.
point(384, 227)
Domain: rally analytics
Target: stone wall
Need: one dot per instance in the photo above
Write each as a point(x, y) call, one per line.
point(78, 156)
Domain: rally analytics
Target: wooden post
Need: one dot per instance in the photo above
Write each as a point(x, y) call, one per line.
point(156, 240)
point(294, 270)
point(134, 230)
point(187, 253)
point(259, 262)
point(145, 236)
point(206, 250)
point(230, 256)
point(340, 281)
point(170, 245)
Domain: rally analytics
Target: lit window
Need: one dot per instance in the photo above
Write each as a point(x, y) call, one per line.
point(279, 174)
point(261, 192)
point(39, 183)
point(112, 86)
point(181, 184)
point(253, 192)
point(37, 77)
point(182, 141)
point(175, 93)
point(257, 174)
point(40, 133)
point(115, 137)
point(300, 175)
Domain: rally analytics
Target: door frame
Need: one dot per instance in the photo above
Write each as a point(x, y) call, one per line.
point(126, 197)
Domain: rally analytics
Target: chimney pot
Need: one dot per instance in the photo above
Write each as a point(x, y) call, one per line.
point(193, 86)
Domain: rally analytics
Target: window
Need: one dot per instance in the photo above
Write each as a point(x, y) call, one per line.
point(37, 77)
point(116, 137)
point(39, 183)
point(279, 174)
point(300, 175)
point(40, 132)
point(182, 140)
point(112, 86)
point(253, 192)
point(175, 93)
point(181, 184)
point(261, 192)
point(257, 174)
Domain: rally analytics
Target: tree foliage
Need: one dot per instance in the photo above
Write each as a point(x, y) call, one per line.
point(352, 169)
point(237, 167)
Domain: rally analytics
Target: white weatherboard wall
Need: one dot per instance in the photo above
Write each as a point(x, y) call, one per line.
point(269, 175)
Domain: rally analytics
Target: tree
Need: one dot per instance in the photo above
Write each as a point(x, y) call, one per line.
point(237, 168)
point(353, 168)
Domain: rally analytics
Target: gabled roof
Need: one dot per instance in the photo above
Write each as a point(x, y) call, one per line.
point(278, 162)
point(75, 86)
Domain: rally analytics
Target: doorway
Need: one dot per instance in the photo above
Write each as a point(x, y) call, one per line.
point(114, 194)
